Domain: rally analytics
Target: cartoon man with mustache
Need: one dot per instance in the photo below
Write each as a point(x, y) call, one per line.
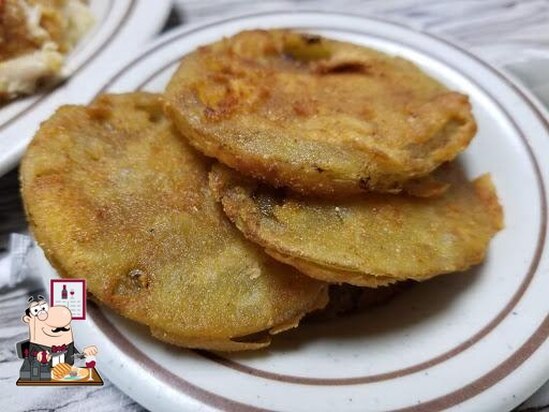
point(50, 333)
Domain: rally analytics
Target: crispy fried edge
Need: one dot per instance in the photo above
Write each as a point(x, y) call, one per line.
point(304, 180)
point(482, 185)
point(333, 275)
point(258, 340)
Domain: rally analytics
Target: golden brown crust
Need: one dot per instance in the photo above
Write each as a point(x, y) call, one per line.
point(370, 236)
point(114, 195)
point(333, 274)
point(315, 115)
point(254, 341)
point(225, 345)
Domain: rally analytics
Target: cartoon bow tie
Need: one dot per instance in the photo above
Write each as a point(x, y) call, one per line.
point(61, 348)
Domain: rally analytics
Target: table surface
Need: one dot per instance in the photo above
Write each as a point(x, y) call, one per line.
point(513, 35)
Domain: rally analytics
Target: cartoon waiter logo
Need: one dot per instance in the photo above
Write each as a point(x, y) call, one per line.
point(49, 355)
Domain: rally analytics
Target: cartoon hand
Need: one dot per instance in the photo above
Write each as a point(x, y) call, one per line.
point(40, 356)
point(90, 350)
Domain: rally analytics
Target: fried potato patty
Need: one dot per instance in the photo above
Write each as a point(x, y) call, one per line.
point(316, 115)
point(366, 238)
point(114, 195)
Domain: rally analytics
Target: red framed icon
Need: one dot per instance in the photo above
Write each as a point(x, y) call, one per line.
point(70, 293)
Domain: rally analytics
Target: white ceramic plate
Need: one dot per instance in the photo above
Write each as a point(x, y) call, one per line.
point(121, 26)
point(474, 341)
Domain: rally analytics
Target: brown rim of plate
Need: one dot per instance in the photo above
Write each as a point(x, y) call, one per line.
point(415, 368)
point(440, 403)
point(499, 372)
point(39, 99)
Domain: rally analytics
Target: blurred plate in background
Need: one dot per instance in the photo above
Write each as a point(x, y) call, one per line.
point(121, 26)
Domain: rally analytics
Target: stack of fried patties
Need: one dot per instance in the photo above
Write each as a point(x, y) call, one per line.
point(334, 157)
point(316, 163)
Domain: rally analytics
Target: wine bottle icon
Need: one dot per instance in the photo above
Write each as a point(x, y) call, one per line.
point(64, 292)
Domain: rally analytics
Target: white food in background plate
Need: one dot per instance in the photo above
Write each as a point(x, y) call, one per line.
point(35, 35)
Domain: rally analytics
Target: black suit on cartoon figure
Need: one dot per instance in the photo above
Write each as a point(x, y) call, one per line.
point(50, 335)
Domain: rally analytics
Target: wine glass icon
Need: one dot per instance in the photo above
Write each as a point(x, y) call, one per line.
point(71, 292)
point(90, 364)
